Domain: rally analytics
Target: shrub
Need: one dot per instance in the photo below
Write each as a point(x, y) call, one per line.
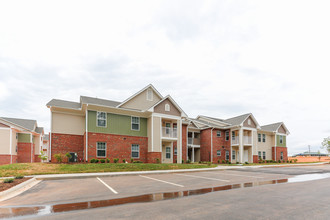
point(96, 160)
point(9, 180)
point(290, 161)
point(295, 160)
point(223, 161)
point(182, 161)
point(229, 162)
point(209, 163)
point(58, 157)
point(237, 162)
point(287, 161)
point(279, 161)
point(68, 155)
point(218, 161)
point(133, 160)
point(108, 160)
point(42, 155)
point(102, 160)
point(188, 161)
point(92, 160)
point(157, 160)
point(115, 160)
point(124, 161)
point(19, 177)
point(137, 161)
point(246, 162)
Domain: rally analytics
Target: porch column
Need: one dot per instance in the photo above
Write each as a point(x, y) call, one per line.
point(241, 147)
point(179, 141)
point(192, 154)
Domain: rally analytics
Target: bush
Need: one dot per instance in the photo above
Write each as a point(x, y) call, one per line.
point(290, 161)
point(182, 161)
point(137, 161)
point(246, 162)
point(133, 160)
point(58, 157)
point(96, 160)
point(295, 160)
point(218, 161)
point(188, 161)
point(108, 160)
point(237, 162)
point(69, 156)
point(92, 160)
point(209, 163)
point(115, 160)
point(102, 160)
point(223, 161)
point(279, 161)
point(124, 161)
point(9, 180)
point(287, 161)
point(157, 160)
point(229, 162)
point(19, 177)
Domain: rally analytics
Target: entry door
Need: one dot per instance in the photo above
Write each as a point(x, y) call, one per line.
point(167, 153)
point(246, 156)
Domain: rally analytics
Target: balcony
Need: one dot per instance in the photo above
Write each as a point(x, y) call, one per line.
point(194, 141)
point(246, 140)
point(169, 132)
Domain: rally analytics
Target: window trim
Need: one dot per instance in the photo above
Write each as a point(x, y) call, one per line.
point(168, 152)
point(281, 139)
point(175, 151)
point(167, 107)
point(233, 155)
point(135, 123)
point(259, 138)
point(264, 155)
point(282, 155)
point(135, 151)
point(105, 144)
point(219, 151)
point(219, 132)
point(227, 154)
point(259, 155)
point(97, 119)
point(227, 135)
point(264, 138)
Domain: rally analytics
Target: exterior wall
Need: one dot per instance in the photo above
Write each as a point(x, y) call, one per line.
point(24, 138)
point(278, 153)
point(38, 145)
point(281, 130)
point(5, 159)
point(117, 146)
point(24, 152)
point(278, 141)
point(220, 143)
point(68, 123)
point(175, 157)
point(64, 143)
point(205, 147)
point(149, 129)
point(184, 142)
point(246, 124)
point(160, 108)
point(116, 124)
point(4, 126)
point(255, 159)
point(140, 101)
point(157, 134)
point(4, 141)
point(266, 146)
point(14, 142)
point(153, 156)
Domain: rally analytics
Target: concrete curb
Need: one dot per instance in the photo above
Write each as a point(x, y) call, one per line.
point(18, 189)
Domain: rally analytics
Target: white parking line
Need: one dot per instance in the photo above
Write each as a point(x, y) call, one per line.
point(161, 181)
point(114, 191)
point(242, 175)
point(208, 178)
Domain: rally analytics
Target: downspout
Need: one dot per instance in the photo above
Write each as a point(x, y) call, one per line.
point(11, 146)
point(31, 139)
point(212, 145)
point(275, 147)
point(50, 135)
point(86, 133)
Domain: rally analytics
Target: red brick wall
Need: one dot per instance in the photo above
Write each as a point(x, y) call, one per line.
point(174, 156)
point(255, 159)
point(64, 143)
point(278, 153)
point(24, 152)
point(36, 158)
point(184, 142)
point(205, 142)
point(5, 159)
point(220, 143)
point(118, 146)
point(151, 157)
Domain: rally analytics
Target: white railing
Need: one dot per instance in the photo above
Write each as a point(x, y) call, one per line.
point(235, 141)
point(247, 140)
point(190, 140)
point(170, 132)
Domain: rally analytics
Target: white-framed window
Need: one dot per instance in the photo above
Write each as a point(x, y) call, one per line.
point(281, 139)
point(101, 119)
point(218, 153)
point(264, 138)
point(149, 95)
point(233, 135)
point(135, 151)
point(168, 153)
point(101, 148)
point(249, 121)
point(259, 155)
point(264, 155)
point(227, 135)
point(167, 127)
point(259, 137)
point(167, 107)
point(281, 155)
point(218, 133)
point(135, 123)
point(227, 154)
point(175, 151)
point(233, 155)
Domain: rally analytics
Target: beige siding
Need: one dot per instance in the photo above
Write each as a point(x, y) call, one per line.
point(254, 142)
point(246, 124)
point(4, 141)
point(37, 144)
point(68, 123)
point(140, 101)
point(281, 130)
point(266, 146)
point(160, 108)
point(14, 143)
point(149, 124)
point(157, 134)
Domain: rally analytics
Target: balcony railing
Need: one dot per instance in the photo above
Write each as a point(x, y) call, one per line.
point(235, 141)
point(194, 141)
point(169, 132)
point(246, 140)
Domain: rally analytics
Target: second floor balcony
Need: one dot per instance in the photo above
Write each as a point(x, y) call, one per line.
point(247, 140)
point(168, 132)
point(194, 141)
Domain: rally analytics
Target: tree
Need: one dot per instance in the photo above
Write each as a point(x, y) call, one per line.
point(42, 155)
point(326, 144)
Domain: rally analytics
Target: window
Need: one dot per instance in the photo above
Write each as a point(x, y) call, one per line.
point(259, 155)
point(249, 121)
point(101, 119)
point(175, 151)
point(168, 127)
point(135, 123)
point(168, 153)
point(227, 135)
point(259, 137)
point(218, 133)
point(167, 107)
point(281, 139)
point(281, 155)
point(233, 135)
point(227, 155)
point(16, 136)
point(264, 155)
point(100, 149)
point(263, 138)
point(218, 153)
point(135, 151)
point(149, 95)
point(233, 155)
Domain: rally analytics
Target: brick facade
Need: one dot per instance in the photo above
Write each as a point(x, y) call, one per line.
point(152, 157)
point(117, 146)
point(255, 159)
point(24, 152)
point(184, 142)
point(205, 145)
point(64, 143)
point(4, 159)
point(278, 153)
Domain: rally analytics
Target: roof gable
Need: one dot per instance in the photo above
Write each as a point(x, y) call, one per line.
point(160, 107)
point(24, 123)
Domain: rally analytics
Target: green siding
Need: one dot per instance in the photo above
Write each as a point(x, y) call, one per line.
point(24, 138)
point(278, 141)
point(116, 124)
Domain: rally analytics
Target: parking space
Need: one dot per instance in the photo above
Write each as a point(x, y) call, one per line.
point(102, 188)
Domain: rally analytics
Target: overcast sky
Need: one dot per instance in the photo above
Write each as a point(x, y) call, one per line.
point(215, 58)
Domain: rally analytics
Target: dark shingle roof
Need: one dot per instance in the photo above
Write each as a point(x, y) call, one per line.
point(237, 120)
point(46, 137)
point(64, 104)
point(97, 101)
point(271, 127)
point(25, 123)
point(39, 130)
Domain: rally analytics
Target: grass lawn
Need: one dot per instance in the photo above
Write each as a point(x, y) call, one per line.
point(27, 169)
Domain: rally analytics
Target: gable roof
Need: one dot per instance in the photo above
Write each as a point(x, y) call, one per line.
point(172, 101)
point(97, 101)
point(139, 92)
point(237, 120)
point(25, 123)
point(63, 104)
point(39, 130)
point(216, 120)
point(274, 127)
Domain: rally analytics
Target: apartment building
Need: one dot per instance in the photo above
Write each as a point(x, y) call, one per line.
point(20, 140)
point(152, 128)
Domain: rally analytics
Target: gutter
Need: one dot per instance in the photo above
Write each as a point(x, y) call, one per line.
point(212, 145)
point(86, 134)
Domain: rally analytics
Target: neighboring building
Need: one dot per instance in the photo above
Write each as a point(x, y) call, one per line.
point(150, 128)
point(45, 147)
point(20, 140)
point(311, 154)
